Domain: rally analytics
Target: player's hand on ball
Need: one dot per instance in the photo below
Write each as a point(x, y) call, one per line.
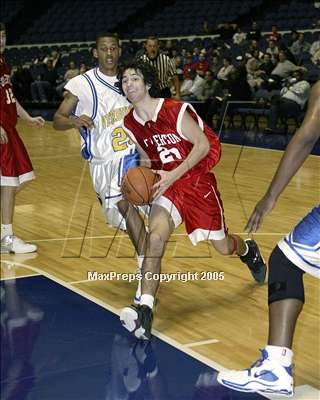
point(263, 207)
point(166, 180)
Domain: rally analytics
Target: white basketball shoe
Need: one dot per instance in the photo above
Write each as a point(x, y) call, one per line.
point(265, 375)
point(13, 244)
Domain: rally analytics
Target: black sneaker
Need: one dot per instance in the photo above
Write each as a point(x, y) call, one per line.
point(255, 262)
point(137, 320)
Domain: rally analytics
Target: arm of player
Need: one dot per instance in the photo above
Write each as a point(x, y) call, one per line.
point(23, 114)
point(63, 118)
point(193, 133)
point(297, 151)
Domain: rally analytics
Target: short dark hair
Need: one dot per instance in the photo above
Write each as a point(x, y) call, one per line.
point(2, 26)
point(148, 73)
point(107, 34)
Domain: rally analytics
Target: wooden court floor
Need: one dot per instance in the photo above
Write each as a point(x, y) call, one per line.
point(224, 320)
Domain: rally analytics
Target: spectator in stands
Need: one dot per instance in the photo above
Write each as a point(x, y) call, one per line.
point(293, 37)
point(212, 87)
point(273, 50)
point(44, 84)
point(187, 82)
point(254, 49)
point(188, 64)
point(314, 46)
point(274, 35)
point(69, 74)
point(179, 67)
point(253, 70)
point(202, 64)
point(195, 55)
point(196, 89)
point(215, 64)
point(316, 58)
point(55, 58)
point(299, 46)
point(235, 89)
point(292, 100)
point(83, 68)
point(254, 33)
point(226, 32)
point(240, 37)
point(163, 65)
point(21, 81)
point(225, 72)
point(284, 67)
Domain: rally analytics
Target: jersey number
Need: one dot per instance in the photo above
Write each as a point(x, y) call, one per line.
point(10, 96)
point(168, 155)
point(120, 140)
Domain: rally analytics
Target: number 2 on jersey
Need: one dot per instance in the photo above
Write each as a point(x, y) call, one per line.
point(120, 140)
point(168, 155)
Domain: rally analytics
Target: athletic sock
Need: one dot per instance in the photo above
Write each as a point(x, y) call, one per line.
point(6, 229)
point(147, 300)
point(283, 355)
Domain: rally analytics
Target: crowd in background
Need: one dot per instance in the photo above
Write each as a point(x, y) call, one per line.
point(234, 65)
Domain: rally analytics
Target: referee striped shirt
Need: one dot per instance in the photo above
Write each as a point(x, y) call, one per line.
point(164, 66)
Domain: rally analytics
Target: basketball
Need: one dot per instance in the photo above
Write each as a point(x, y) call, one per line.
point(136, 185)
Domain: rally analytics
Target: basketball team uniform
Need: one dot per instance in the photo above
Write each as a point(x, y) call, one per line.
point(194, 198)
point(106, 147)
point(16, 166)
point(302, 245)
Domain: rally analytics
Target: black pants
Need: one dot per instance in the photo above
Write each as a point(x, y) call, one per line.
point(282, 108)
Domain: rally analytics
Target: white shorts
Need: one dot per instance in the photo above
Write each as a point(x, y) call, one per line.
point(106, 179)
point(302, 245)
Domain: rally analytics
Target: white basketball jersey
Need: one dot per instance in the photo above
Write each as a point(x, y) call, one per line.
point(101, 100)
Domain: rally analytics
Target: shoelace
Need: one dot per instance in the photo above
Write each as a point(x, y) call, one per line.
point(264, 356)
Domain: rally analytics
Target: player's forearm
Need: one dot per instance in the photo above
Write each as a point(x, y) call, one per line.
point(198, 152)
point(22, 113)
point(63, 122)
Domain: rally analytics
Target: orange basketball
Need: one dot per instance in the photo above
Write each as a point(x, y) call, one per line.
point(136, 185)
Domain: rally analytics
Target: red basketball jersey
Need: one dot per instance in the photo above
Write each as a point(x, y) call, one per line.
point(163, 141)
point(8, 114)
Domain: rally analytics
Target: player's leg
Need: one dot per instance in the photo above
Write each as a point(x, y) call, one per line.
point(273, 372)
point(138, 319)
point(16, 171)
point(135, 225)
point(248, 252)
point(136, 230)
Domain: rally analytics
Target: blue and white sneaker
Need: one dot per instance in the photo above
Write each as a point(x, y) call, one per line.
point(265, 376)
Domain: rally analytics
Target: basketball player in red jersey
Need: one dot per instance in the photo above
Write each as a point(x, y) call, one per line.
point(173, 140)
point(16, 167)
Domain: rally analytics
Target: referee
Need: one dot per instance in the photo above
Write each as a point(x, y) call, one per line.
point(163, 65)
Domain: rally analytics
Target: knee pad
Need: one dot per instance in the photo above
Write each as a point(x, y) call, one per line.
point(285, 278)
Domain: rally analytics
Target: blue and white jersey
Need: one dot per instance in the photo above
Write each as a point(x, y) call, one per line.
point(302, 245)
point(101, 100)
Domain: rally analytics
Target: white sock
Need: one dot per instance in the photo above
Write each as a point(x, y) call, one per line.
point(6, 230)
point(138, 291)
point(281, 354)
point(147, 300)
point(140, 262)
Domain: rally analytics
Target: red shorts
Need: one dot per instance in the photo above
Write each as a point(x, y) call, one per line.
point(197, 203)
point(15, 164)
